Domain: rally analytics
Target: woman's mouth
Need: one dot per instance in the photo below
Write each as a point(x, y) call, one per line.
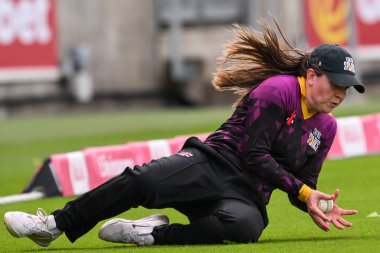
point(333, 104)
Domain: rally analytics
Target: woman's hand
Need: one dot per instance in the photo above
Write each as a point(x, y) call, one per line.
point(334, 216)
point(319, 218)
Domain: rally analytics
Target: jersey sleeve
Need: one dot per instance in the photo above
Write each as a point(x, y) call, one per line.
point(267, 112)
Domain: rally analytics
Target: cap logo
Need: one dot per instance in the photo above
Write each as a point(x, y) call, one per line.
point(349, 64)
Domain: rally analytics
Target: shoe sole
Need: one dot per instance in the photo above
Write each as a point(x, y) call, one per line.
point(117, 226)
point(43, 242)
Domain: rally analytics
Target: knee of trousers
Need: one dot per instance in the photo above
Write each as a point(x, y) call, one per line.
point(242, 226)
point(141, 185)
point(243, 230)
point(153, 185)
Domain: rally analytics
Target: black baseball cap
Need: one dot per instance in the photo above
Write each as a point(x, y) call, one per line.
point(337, 64)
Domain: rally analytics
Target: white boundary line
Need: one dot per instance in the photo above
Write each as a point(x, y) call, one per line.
point(21, 197)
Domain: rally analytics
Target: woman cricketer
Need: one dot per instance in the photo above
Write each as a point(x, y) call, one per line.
point(277, 138)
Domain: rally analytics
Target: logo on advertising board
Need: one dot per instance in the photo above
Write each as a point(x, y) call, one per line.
point(78, 172)
point(327, 21)
point(351, 136)
point(110, 166)
point(25, 21)
point(28, 37)
point(159, 148)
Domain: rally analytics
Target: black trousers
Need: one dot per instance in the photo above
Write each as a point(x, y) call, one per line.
point(215, 197)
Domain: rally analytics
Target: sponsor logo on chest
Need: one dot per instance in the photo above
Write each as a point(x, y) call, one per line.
point(314, 140)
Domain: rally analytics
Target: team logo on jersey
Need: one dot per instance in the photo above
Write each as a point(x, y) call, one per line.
point(185, 153)
point(314, 139)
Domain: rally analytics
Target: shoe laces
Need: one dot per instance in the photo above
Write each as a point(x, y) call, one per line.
point(38, 222)
point(42, 215)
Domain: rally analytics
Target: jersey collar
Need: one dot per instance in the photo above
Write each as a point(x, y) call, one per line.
point(305, 112)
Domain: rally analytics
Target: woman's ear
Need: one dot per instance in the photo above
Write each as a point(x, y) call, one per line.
point(310, 75)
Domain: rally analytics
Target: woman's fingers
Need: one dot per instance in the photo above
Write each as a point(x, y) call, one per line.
point(336, 194)
point(318, 212)
point(325, 196)
point(337, 224)
point(348, 212)
point(321, 223)
point(344, 222)
point(340, 223)
point(318, 217)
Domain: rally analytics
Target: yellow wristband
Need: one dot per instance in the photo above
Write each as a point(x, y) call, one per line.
point(304, 193)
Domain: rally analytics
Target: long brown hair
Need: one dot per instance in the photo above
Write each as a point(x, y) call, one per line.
point(255, 56)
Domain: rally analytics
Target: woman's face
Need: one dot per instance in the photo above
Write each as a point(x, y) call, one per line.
point(321, 94)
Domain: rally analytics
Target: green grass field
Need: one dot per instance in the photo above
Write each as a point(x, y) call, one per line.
point(26, 142)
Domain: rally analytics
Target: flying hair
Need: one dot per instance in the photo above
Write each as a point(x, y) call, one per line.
point(255, 56)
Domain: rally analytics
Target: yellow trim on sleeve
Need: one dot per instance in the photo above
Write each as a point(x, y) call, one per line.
point(304, 193)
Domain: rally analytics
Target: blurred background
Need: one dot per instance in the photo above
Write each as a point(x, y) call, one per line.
point(60, 56)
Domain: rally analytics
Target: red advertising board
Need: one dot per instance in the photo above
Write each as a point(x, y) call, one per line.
point(28, 39)
point(367, 16)
point(336, 21)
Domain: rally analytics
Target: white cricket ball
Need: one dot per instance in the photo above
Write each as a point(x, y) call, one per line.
point(325, 205)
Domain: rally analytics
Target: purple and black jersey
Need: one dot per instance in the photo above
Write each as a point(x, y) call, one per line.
point(274, 139)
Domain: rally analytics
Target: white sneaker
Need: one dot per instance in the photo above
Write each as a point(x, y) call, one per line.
point(128, 231)
point(40, 228)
